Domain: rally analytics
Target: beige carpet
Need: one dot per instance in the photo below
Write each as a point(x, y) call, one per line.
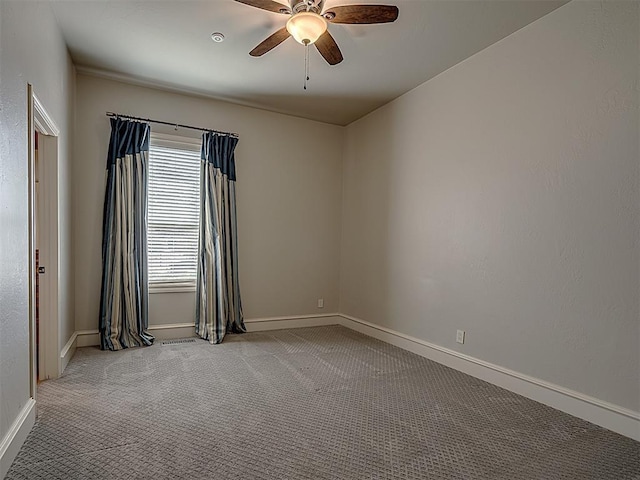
point(314, 403)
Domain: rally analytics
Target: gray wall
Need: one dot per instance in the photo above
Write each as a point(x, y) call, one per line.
point(33, 51)
point(289, 197)
point(501, 198)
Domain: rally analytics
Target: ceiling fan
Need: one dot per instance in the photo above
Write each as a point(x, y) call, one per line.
point(308, 23)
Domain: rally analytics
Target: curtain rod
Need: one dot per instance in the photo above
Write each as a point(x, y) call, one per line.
point(176, 125)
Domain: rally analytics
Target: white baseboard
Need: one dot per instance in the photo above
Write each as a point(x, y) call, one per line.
point(89, 338)
point(67, 352)
point(15, 437)
point(172, 331)
point(613, 417)
point(300, 321)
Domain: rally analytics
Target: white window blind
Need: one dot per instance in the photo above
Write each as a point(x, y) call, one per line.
point(174, 210)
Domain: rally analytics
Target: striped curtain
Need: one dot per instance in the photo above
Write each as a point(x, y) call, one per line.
point(124, 309)
point(218, 305)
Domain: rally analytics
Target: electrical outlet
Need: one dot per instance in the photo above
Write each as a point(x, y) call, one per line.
point(460, 336)
point(321, 303)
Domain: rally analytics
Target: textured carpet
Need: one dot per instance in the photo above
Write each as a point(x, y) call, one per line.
point(311, 403)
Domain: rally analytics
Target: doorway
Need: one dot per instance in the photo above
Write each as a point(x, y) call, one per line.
point(43, 243)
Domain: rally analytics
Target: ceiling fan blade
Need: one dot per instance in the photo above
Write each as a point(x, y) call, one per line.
point(270, 43)
point(269, 5)
point(329, 49)
point(362, 14)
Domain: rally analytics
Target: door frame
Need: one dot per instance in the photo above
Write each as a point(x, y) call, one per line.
point(49, 362)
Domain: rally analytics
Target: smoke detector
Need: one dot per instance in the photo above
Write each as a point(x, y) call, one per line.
point(217, 37)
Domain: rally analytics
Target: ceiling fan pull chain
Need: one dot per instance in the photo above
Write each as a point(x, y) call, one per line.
point(306, 65)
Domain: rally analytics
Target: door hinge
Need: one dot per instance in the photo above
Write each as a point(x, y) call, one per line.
point(41, 270)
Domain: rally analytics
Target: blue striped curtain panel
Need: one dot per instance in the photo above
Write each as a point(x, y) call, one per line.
point(218, 304)
point(124, 299)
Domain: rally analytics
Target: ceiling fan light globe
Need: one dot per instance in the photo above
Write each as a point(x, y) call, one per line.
point(306, 27)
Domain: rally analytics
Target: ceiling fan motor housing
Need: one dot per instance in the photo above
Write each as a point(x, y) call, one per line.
point(307, 6)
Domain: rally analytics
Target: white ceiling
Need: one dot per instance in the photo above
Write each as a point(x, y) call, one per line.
point(168, 43)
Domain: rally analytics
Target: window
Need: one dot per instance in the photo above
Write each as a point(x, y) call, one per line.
point(174, 211)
